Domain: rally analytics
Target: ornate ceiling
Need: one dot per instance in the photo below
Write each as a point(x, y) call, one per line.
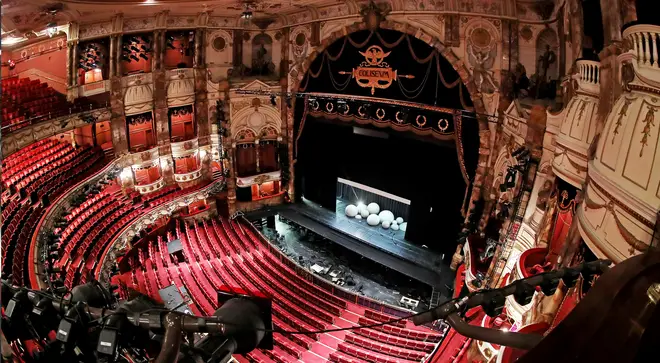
point(25, 16)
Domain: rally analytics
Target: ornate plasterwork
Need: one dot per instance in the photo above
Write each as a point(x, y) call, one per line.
point(181, 88)
point(131, 25)
point(145, 158)
point(188, 177)
point(14, 141)
point(254, 112)
point(88, 31)
point(623, 189)
point(150, 188)
point(138, 99)
point(184, 148)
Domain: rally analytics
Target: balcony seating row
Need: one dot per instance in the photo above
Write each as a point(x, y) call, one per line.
point(222, 253)
point(21, 213)
point(24, 99)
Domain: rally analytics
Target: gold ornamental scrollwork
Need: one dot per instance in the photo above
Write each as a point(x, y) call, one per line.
point(398, 118)
point(315, 105)
point(443, 124)
point(374, 72)
point(361, 111)
point(420, 123)
point(329, 107)
point(380, 113)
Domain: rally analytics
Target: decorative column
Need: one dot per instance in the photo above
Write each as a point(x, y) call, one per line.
point(256, 151)
point(72, 89)
point(509, 48)
point(160, 95)
point(113, 63)
point(117, 119)
point(201, 92)
point(117, 54)
point(231, 178)
point(286, 115)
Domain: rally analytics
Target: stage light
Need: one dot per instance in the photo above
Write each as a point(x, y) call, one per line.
point(494, 303)
point(524, 293)
point(505, 330)
point(273, 101)
point(549, 285)
point(570, 277)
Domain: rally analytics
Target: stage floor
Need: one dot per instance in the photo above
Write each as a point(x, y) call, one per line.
point(386, 247)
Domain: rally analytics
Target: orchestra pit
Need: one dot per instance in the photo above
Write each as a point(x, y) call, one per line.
point(312, 181)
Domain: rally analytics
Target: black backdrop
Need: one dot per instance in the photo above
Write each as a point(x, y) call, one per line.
point(422, 169)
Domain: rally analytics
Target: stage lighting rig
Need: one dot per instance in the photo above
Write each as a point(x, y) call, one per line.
point(492, 302)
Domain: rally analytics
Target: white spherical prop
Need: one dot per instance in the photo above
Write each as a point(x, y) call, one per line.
point(399, 220)
point(394, 223)
point(373, 208)
point(358, 217)
point(386, 224)
point(386, 216)
point(351, 210)
point(364, 213)
point(395, 227)
point(373, 220)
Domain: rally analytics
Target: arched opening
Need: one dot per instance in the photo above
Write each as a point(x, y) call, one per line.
point(386, 110)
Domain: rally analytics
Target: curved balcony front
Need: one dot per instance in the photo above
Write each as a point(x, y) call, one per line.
point(150, 188)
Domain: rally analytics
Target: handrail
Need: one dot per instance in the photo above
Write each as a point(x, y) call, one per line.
point(7, 129)
point(48, 215)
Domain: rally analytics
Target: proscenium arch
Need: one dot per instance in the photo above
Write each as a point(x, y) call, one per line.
point(458, 65)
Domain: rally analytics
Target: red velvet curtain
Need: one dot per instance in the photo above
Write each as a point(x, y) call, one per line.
point(246, 160)
point(268, 157)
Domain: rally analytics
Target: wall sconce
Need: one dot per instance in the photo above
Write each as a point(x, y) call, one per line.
point(256, 141)
point(51, 29)
point(279, 139)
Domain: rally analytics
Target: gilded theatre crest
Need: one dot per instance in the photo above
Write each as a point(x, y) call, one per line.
point(374, 72)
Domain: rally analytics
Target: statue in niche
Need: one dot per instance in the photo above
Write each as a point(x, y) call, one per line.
point(262, 46)
point(544, 195)
point(545, 61)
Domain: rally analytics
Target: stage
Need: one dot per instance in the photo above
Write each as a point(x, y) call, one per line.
point(386, 247)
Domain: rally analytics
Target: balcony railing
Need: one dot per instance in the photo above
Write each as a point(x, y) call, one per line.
point(589, 75)
point(72, 111)
point(644, 40)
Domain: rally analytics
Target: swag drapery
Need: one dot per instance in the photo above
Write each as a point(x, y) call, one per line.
point(426, 95)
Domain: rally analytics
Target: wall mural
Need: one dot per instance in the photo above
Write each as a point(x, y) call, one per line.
point(481, 49)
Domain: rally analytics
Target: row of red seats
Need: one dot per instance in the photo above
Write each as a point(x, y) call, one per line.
point(384, 348)
point(410, 353)
point(395, 340)
point(226, 253)
point(67, 161)
point(24, 170)
point(83, 208)
point(31, 100)
point(22, 226)
point(368, 354)
point(29, 151)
